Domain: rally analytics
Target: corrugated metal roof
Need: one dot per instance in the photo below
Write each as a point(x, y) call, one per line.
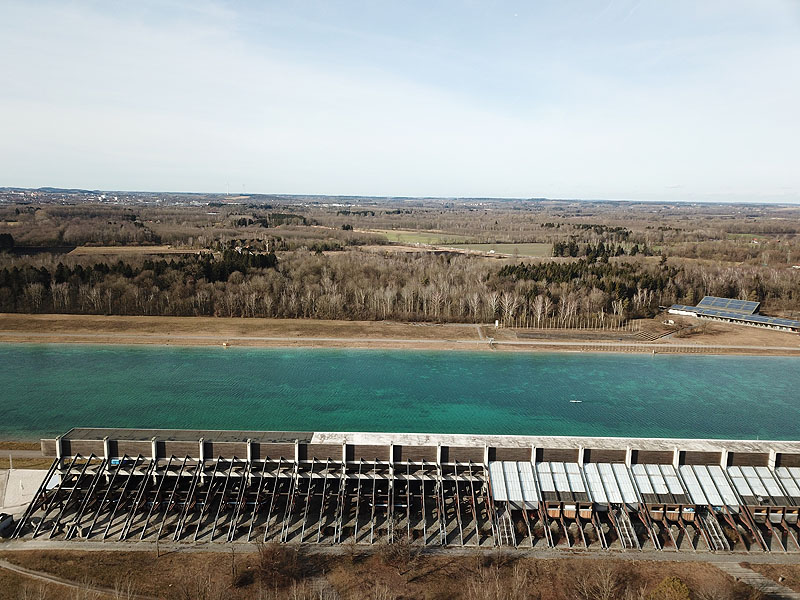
point(513, 482)
point(498, 482)
point(529, 490)
point(708, 485)
point(790, 480)
point(758, 486)
point(594, 480)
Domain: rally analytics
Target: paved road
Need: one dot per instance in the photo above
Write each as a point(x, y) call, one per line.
point(21, 453)
point(611, 345)
point(555, 553)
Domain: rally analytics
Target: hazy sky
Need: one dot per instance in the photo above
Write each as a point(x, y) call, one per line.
point(624, 99)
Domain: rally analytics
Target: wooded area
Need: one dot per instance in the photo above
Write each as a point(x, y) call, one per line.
point(315, 260)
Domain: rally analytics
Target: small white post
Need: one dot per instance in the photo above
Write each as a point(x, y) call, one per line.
point(773, 458)
point(581, 453)
point(106, 448)
point(153, 448)
point(723, 458)
point(628, 456)
point(676, 458)
point(249, 450)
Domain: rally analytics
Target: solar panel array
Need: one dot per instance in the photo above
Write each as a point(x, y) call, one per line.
point(744, 307)
point(744, 318)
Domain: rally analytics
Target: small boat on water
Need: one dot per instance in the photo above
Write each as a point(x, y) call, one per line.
point(576, 401)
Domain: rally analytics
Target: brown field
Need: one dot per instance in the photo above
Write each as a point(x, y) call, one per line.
point(129, 250)
point(19, 446)
point(24, 463)
point(188, 331)
point(282, 572)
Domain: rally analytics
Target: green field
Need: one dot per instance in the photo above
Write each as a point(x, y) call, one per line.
point(420, 237)
point(532, 249)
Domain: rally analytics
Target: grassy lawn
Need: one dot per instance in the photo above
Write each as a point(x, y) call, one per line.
point(532, 249)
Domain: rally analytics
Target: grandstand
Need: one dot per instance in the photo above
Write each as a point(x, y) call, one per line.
point(730, 310)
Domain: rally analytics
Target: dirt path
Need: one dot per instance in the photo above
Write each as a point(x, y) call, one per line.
point(384, 342)
point(52, 579)
point(755, 580)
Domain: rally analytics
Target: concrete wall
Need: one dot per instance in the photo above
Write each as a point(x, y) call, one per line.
point(462, 454)
point(748, 459)
point(652, 457)
point(606, 456)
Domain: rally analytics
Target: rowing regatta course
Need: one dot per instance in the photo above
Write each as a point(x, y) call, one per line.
point(48, 388)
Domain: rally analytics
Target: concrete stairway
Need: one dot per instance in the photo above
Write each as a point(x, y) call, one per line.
point(755, 580)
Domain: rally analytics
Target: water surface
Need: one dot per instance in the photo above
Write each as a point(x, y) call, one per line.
point(47, 388)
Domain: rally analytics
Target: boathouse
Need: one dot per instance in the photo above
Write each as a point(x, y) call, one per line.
point(182, 486)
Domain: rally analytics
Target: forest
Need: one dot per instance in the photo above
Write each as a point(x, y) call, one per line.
point(323, 261)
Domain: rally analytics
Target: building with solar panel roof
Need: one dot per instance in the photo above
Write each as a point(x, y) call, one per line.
point(730, 310)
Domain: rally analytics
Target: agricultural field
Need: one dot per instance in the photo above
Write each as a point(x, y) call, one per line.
point(531, 250)
point(434, 238)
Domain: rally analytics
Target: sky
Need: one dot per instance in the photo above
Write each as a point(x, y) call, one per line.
point(606, 99)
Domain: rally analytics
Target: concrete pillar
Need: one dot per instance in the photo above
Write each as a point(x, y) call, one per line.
point(439, 454)
point(628, 456)
point(533, 454)
point(249, 450)
point(486, 454)
point(106, 448)
point(581, 454)
point(297, 452)
point(344, 453)
point(676, 457)
point(202, 454)
point(773, 458)
point(391, 453)
point(723, 458)
point(154, 456)
point(58, 448)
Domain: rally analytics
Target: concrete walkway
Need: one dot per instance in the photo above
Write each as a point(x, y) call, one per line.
point(756, 580)
point(52, 579)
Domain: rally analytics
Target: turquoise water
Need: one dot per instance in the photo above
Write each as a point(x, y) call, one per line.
point(46, 389)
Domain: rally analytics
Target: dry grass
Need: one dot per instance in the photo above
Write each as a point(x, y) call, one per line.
point(15, 445)
point(25, 463)
point(19, 587)
point(494, 576)
point(233, 327)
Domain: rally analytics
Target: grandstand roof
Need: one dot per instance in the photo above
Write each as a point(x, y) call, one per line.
point(744, 307)
point(738, 316)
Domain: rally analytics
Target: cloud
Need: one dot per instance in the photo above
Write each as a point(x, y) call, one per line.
point(179, 98)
